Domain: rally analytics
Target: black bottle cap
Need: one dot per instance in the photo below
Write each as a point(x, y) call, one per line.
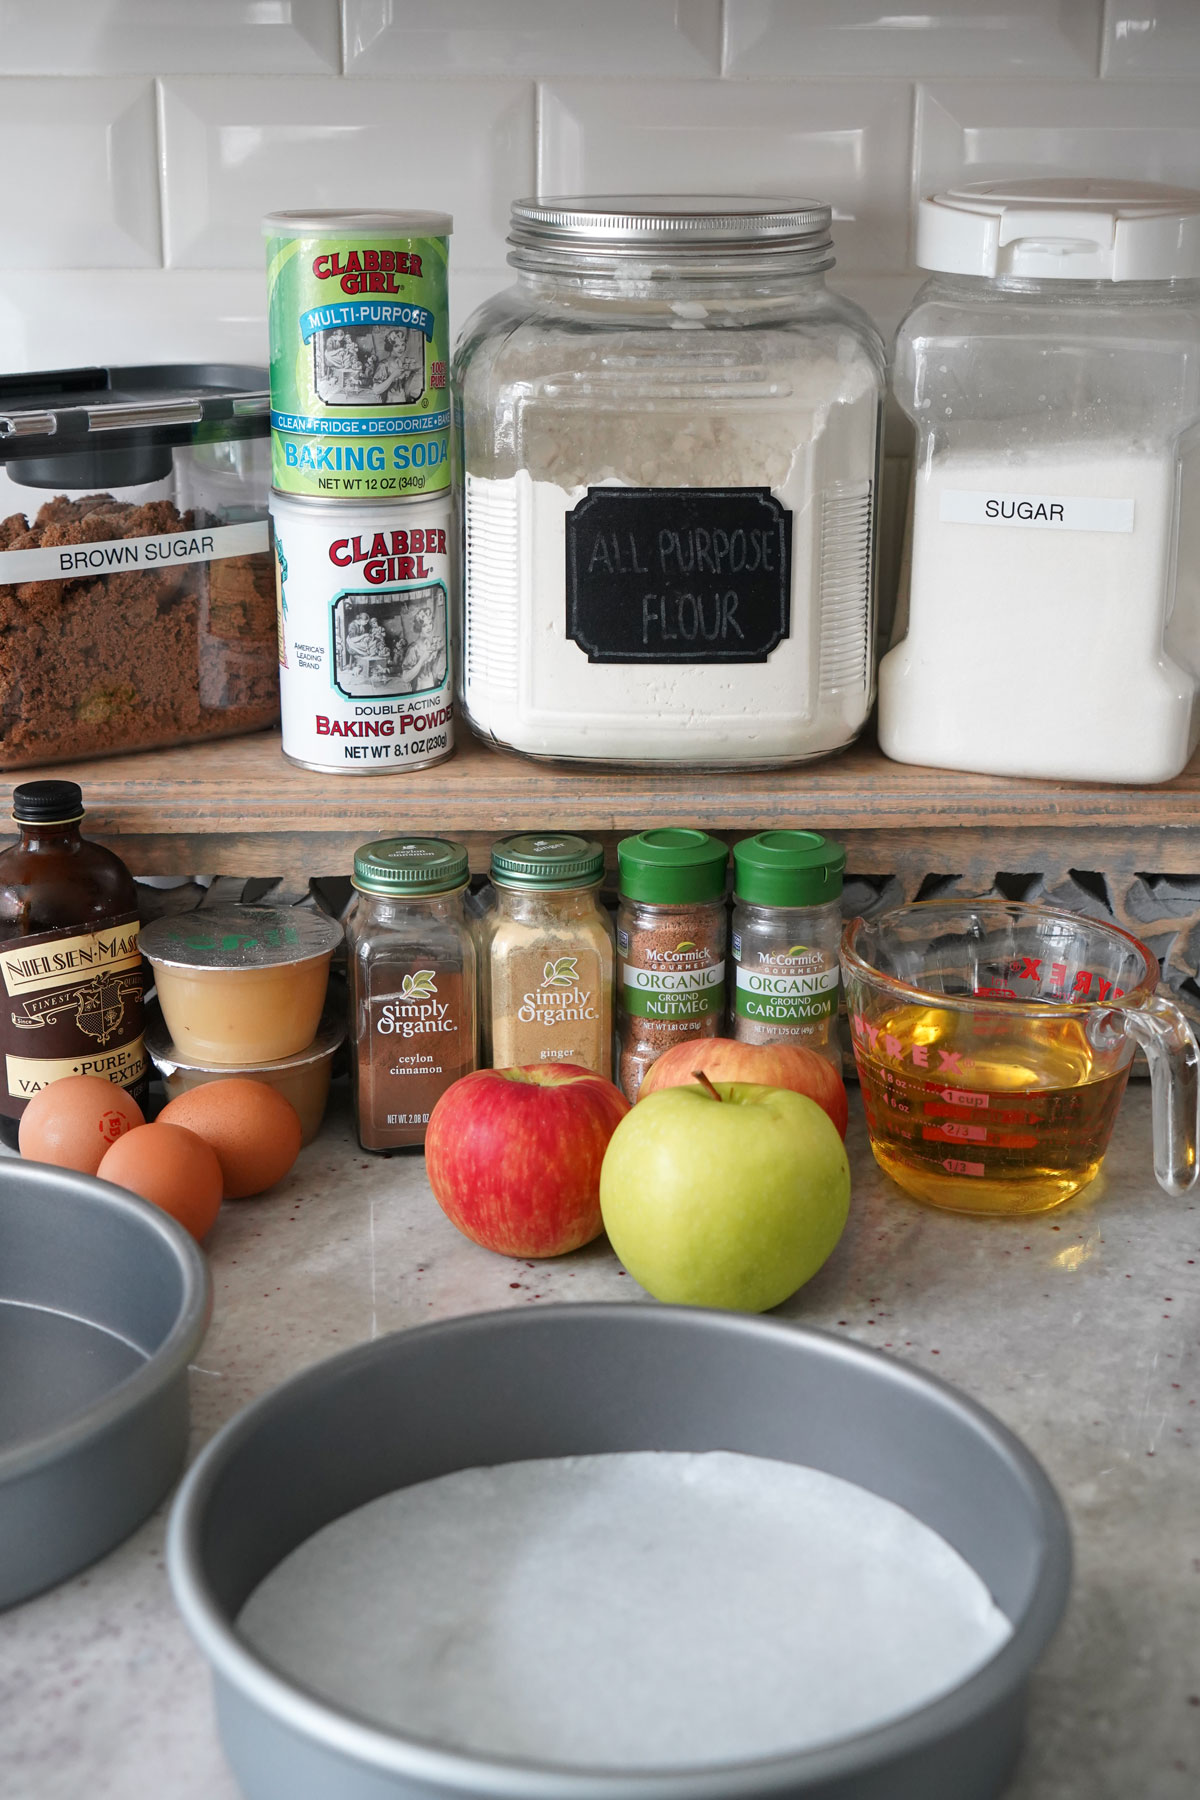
point(47, 802)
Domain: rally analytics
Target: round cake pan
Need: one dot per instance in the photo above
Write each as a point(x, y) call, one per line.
point(573, 1380)
point(103, 1302)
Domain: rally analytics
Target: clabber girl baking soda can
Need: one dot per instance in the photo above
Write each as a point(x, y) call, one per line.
point(364, 640)
point(359, 352)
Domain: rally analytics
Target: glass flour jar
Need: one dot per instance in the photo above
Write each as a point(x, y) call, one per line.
point(1051, 625)
point(669, 437)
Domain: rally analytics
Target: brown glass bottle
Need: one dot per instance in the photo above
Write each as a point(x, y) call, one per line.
point(70, 968)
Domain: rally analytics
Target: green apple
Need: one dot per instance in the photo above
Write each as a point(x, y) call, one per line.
point(730, 1195)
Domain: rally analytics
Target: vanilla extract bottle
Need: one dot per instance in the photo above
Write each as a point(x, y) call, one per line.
point(70, 967)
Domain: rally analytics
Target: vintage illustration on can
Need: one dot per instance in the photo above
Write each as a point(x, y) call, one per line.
point(393, 643)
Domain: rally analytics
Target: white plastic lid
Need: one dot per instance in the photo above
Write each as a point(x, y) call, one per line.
point(1059, 229)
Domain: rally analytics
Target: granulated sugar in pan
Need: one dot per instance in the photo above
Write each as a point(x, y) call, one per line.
point(646, 1610)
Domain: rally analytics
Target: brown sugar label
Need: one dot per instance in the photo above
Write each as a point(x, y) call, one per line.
point(63, 562)
point(71, 1004)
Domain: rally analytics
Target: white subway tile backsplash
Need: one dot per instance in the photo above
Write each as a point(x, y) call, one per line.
point(120, 316)
point(161, 37)
point(1139, 131)
point(236, 149)
point(81, 162)
point(845, 142)
point(790, 38)
point(1158, 37)
point(523, 37)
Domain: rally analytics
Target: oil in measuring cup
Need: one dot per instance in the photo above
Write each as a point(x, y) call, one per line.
point(984, 1117)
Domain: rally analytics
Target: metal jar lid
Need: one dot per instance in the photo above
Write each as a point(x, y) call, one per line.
point(240, 937)
point(330, 221)
point(547, 860)
point(400, 866)
point(690, 232)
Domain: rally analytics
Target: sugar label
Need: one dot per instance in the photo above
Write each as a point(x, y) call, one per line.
point(1038, 512)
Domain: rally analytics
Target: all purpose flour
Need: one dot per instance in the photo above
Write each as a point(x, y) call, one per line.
point(804, 432)
point(1036, 642)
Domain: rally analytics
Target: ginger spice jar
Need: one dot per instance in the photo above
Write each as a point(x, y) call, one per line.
point(548, 961)
point(412, 972)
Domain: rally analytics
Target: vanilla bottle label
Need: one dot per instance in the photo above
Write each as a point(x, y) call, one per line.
point(71, 1004)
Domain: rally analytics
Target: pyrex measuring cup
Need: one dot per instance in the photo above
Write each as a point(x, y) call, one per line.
point(993, 1043)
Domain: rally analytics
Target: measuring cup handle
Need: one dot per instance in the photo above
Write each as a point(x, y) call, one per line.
point(1161, 1030)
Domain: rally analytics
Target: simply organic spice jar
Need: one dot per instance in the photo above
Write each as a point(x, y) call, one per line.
point(548, 962)
point(412, 971)
point(787, 924)
point(671, 942)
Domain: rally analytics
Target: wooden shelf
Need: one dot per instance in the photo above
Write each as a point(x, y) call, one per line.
point(237, 807)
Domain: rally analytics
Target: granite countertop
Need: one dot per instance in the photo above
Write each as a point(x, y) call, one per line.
point(1080, 1328)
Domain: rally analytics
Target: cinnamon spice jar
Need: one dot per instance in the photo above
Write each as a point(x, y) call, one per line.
point(412, 971)
point(671, 942)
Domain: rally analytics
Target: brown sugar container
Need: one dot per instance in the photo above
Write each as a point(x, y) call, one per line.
point(671, 944)
point(70, 967)
point(412, 972)
point(137, 593)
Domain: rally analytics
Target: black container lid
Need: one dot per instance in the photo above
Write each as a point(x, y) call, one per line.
point(47, 802)
point(95, 427)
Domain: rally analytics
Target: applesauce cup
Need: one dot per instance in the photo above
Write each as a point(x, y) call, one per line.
point(993, 1042)
point(241, 984)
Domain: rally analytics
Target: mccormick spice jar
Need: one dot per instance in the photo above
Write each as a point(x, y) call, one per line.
point(412, 971)
point(548, 964)
point(787, 923)
point(70, 967)
point(671, 940)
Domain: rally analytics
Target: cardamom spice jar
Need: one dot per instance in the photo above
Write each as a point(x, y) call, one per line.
point(548, 955)
point(412, 972)
point(787, 923)
point(671, 942)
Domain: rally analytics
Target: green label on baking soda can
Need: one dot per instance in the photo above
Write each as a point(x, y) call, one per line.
point(359, 353)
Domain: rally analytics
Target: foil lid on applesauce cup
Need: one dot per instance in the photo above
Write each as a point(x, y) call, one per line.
point(240, 937)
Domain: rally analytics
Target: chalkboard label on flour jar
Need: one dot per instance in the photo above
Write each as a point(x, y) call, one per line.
point(678, 574)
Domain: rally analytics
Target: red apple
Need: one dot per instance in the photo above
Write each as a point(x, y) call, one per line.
point(770, 1065)
point(513, 1156)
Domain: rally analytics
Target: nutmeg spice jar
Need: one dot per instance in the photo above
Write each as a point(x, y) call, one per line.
point(412, 972)
point(671, 944)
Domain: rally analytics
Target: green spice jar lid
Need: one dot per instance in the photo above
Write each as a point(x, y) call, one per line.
point(410, 866)
point(787, 868)
point(672, 866)
point(547, 860)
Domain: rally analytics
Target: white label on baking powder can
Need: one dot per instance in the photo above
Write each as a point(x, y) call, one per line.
point(1046, 512)
point(364, 638)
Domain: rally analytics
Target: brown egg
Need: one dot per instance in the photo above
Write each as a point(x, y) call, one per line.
point(171, 1167)
point(73, 1122)
point(254, 1130)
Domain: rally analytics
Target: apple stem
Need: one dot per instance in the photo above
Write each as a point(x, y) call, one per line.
point(705, 1083)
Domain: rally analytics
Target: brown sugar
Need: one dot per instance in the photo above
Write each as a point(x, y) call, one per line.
point(96, 664)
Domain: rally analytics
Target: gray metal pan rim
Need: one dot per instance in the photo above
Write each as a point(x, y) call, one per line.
point(494, 1778)
point(162, 1367)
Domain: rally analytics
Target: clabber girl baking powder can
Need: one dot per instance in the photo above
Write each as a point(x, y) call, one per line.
point(360, 341)
point(364, 634)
